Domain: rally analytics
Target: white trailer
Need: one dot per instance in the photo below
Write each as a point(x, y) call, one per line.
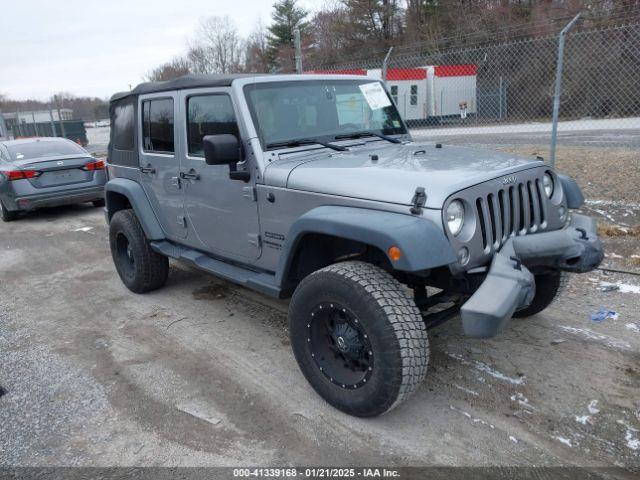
point(428, 93)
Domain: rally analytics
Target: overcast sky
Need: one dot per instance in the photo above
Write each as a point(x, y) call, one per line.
point(98, 47)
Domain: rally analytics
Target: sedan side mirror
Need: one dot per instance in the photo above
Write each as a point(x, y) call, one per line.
point(224, 150)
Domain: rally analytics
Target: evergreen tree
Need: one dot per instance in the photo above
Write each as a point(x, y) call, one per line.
point(286, 17)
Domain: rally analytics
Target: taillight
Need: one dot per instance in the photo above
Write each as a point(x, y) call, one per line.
point(12, 175)
point(97, 165)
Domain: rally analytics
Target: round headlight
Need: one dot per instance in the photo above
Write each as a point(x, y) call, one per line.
point(547, 183)
point(455, 217)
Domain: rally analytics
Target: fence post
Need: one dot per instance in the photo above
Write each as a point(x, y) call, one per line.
point(385, 64)
point(298, 50)
point(53, 125)
point(558, 88)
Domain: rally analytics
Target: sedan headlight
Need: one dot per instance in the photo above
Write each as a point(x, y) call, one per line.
point(455, 217)
point(547, 183)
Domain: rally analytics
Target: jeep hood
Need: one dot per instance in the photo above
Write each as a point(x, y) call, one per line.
point(394, 177)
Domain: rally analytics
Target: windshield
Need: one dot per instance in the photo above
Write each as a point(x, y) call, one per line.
point(44, 148)
point(321, 109)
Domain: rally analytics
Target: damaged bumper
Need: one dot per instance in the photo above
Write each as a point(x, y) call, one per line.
point(510, 285)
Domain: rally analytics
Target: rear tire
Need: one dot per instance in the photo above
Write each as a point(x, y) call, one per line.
point(98, 203)
point(548, 286)
point(7, 216)
point(358, 338)
point(140, 268)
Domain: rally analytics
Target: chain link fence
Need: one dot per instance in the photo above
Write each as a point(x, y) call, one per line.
point(507, 88)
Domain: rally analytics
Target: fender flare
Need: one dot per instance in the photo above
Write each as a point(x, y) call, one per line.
point(572, 191)
point(423, 244)
point(140, 204)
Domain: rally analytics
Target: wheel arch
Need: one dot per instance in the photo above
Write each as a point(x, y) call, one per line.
point(327, 230)
point(122, 193)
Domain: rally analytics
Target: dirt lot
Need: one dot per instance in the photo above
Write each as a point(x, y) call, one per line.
point(201, 373)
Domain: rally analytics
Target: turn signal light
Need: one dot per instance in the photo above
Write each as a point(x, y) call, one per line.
point(394, 253)
point(12, 175)
point(97, 165)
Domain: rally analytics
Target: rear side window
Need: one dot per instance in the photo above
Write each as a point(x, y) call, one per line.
point(157, 125)
point(209, 115)
point(123, 127)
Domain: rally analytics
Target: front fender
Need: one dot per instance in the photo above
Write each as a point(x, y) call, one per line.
point(134, 192)
point(423, 244)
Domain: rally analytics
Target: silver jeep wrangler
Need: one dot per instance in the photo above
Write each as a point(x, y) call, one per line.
point(310, 187)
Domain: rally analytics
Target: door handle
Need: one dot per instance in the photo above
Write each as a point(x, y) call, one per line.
point(148, 169)
point(190, 175)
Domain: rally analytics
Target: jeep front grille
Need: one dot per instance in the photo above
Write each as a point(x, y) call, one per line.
point(515, 210)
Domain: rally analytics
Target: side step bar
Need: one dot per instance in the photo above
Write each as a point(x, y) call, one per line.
point(259, 281)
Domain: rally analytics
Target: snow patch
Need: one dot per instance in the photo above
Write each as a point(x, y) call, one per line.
point(633, 327)
point(610, 341)
point(513, 439)
point(470, 417)
point(563, 440)
point(467, 390)
point(630, 436)
point(622, 287)
point(584, 419)
point(82, 229)
point(522, 400)
point(483, 367)
point(593, 407)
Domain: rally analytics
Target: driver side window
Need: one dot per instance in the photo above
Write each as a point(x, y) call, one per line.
point(209, 115)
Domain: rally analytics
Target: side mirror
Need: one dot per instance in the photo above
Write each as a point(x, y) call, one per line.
point(221, 149)
point(224, 150)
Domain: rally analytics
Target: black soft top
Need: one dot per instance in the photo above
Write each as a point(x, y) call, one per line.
point(186, 81)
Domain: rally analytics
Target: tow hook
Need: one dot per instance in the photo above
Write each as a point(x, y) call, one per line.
point(418, 200)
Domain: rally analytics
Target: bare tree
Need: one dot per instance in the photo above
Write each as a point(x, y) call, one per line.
point(174, 68)
point(258, 57)
point(217, 47)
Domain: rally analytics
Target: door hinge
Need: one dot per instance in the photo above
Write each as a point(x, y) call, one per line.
point(175, 182)
point(182, 221)
point(249, 193)
point(255, 240)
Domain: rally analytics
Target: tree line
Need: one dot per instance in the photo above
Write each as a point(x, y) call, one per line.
point(344, 30)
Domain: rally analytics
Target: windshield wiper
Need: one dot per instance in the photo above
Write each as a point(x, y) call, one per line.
point(355, 135)
point(306, 141)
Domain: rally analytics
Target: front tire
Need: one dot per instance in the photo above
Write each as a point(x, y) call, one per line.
point(548, 286)
point(140, 268)
point(7, 215)
point(98, 203)
point(358, 338)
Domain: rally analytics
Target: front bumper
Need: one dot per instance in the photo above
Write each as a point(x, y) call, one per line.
point(510, 286)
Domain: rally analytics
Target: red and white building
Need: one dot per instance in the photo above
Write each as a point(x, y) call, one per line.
point(428, 92)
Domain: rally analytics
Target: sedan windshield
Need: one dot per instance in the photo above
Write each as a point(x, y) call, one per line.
point(43, 148)
point(321, 110)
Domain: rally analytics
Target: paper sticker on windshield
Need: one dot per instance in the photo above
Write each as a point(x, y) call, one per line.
point(396, 123)
point(375, 95)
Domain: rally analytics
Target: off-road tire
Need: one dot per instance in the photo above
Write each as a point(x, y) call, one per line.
point(548, 286)
point(98, 203)
point(396, 331)
point(140, 268)
point(7, 215)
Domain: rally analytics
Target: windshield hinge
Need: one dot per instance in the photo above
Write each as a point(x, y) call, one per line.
point(249, 193)
point(418, 200)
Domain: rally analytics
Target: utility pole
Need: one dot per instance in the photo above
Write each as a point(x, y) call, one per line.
point(298, 50)
point(55, 98)
point(35, 125)
point(385, 65)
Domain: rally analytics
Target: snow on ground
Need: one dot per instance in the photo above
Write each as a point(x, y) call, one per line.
point(545, 127)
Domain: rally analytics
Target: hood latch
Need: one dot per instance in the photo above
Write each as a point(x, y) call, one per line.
point(418, 200)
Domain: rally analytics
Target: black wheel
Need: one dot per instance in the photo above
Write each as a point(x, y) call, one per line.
point(548, 286)
point(7, 216)
point(358, 338)
point(98, 203)
point(140, 268)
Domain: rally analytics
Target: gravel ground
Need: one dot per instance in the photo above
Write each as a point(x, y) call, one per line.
point(201, 373)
